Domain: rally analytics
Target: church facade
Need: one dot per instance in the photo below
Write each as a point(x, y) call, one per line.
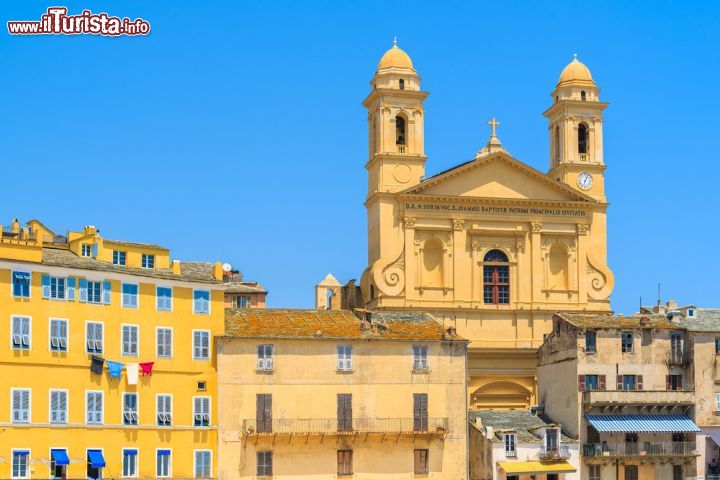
point(492, 245)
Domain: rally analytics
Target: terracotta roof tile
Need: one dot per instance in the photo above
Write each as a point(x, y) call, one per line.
point(589, 320)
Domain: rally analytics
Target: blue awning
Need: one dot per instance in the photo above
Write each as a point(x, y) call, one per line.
point(96, 458)
point(163, 452)
point(21, 452)
point(21, 276)
point(130, 451)
point(60, 456)
point(642, 423)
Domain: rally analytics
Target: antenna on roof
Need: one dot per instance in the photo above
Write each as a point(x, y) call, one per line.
point(659, 298)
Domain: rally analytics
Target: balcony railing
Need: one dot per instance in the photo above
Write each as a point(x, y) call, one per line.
point(640, 397)
point(678, 357)
point(640, 449)
point(333, 426)
point(561, 452)
point(584, 157)
point(401, 148)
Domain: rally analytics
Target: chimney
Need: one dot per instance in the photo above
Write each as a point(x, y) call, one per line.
point(671, 304)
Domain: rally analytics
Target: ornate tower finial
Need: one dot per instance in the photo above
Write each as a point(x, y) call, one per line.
point(395, 41)
point(493, 144)
point(575, 57)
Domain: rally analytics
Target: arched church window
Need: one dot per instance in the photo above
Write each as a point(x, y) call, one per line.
point(582, 95)
point(496, 278)
point(582, 138)
point(432, 263)
point(402, 84)
point(399, 130)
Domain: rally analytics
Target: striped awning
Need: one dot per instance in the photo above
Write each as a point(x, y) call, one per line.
point(642, 423)
point(530, 468)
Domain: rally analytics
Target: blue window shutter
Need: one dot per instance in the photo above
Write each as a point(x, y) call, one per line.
point(70, 294)
point(107, 287)
point(46, 286)
point(94, 252)
point(83, 290)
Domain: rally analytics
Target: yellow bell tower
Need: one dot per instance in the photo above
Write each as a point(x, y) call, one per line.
point(576, 141)
point(396, 159)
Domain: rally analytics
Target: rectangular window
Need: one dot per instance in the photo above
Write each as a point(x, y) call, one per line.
point(202, 464)
point(148, 261)
point(420, 411)
point(94, 292)
point(201, 344)
point(86, 250)
point(590, 341)
point(510, 445)
point(20, 333)
point(129, 468)
point(241, 301)
point(421, 461)
point(164, 299)
point(717, 345)
point(420, 360)
point(58, 463)
point(129, 295)
point(263, 412)
point(626, 342)
point(594, 472)
point(130, 409)
point(163, 463)
point(20, 405)
point(674, 382)
point(164, 342)
point(57, 288)
point(344, 462)
point(629, 382)
point(58, 335)
point(201, 301)
point(94, 337)
point(551, 440)
point(264, 464)
point(344, 358)
point(344, 412)
point(717, 402)
point(201, 411)
point(119, 257)
point(21, 284)
point(164, 410)
point(130, 340)
point(631, 472)
point(265, 357)
point(94, 408)
point(58, 406)
point(20, 460)
point(592, 382)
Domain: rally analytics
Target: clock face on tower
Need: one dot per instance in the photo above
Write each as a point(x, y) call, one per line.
point(585, 181)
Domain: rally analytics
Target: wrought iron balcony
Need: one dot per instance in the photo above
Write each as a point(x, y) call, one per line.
point(335, 426)
point(640, 449)
point(678, 357)
point(561, 452)
point(639, 397)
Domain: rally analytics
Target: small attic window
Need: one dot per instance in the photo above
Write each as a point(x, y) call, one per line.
point(691, 312)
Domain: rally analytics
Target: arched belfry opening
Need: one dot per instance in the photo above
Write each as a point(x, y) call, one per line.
point(583, 138)
point(402, 84)
point(400, 130)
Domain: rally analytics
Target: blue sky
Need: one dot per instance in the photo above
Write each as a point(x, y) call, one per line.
point(235, 132)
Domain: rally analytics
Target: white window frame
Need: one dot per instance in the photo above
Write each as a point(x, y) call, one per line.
point(247, 301)
point(420, 357)
point(344, 358)
point(50, 409)
point(157, 342)
point(157, 298)
point(157, 410)
point(12, 285)
point(67, 335)
point(134, 415)
point(136, 474)
point(28, 473)
point(145, 260)
point(210, 462)
point(591, 476)
point(124, 252)
point(208, 400)
point(22, 340)
point(265, 357)
point(12, 406)
point(102, 324)
point(100, 285)
point(209, 301)
point(65, 287)
point(86, 250)
point(169, 472)
point(52, 470)
point(123, 294)
point(717, 402)
point(194, 357)
point(102, 408)
point(510, 452)
point(130, 327)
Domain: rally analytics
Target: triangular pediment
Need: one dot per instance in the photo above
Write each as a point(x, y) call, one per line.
point(497, 175)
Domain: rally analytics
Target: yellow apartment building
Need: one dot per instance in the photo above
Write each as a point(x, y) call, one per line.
point(107, 368)
point(306, 394)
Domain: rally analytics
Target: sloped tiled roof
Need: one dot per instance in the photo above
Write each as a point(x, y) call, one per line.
point(244, 287)
point(706, 320)
point(521, 422)
point(589, 320)
point(189, 271)
point(134, 244)
point(331, 324)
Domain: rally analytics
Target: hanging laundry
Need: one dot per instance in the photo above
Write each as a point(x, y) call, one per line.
point(131, 370)
point(115, 369)
point(146, 368)
point(96, 365)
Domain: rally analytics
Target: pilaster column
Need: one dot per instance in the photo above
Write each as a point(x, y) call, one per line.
point(582, 266)
point(461, 284)
point(410, 260)
point(537, 273)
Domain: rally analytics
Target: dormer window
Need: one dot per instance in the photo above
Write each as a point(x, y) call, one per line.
point(510, 450)
point(86, 250)
point(148, 261)
point(552, 440)
point(691, 312)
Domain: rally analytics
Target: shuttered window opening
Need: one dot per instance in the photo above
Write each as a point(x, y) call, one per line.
point(201, 344)
point(201, 301)
point(164, 410)
point(344, 412)
point(203, 466)
point(421, 461)
point(20, 336)
point(164, 299)
point(21, 405)
point(130, 409)
point(58, 406)
point(94, 407)
point(20, 459)
point(94, 337)
point(163, 463)
point(344, 358)
point(164, 342)
point(263, 412)
point(129, 295)
point(129, 462)
point(130, 335)
point(420, 411)
point(265, 357)
point(201, 411)
point(58, 335)
point(264, 464)
point(344, 462)
point(420, 357)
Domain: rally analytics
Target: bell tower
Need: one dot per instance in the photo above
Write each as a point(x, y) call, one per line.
point(396, 150)
point(575, 128)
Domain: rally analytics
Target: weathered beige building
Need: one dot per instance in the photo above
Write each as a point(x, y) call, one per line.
point(307, 394)
point(624, 386)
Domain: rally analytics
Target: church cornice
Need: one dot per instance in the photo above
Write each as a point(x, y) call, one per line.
point(562, 105)
point(380, 92)
point(498, 201)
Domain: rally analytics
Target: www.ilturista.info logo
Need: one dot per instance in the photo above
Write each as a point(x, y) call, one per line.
point(57, 22)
